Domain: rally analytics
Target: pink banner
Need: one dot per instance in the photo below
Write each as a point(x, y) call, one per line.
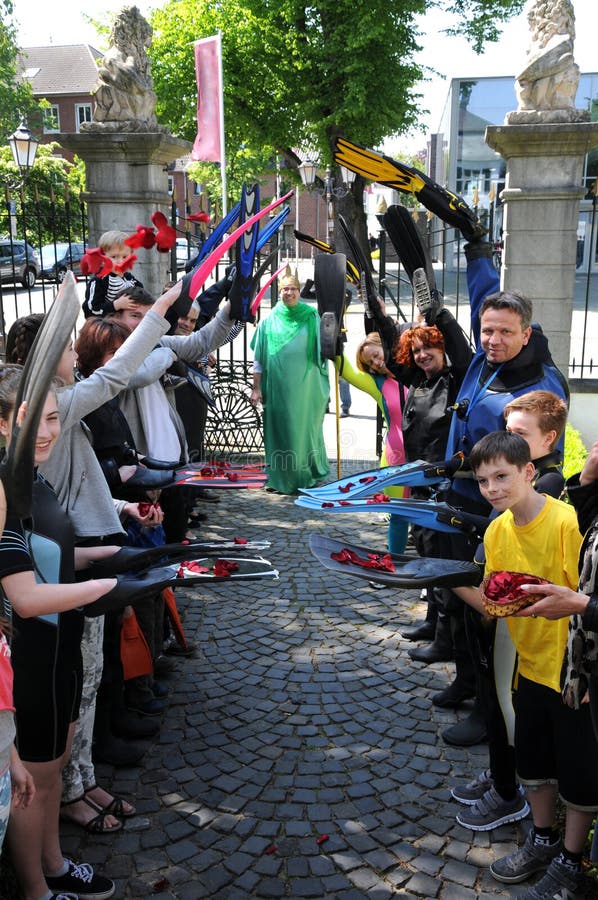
point(207, 144)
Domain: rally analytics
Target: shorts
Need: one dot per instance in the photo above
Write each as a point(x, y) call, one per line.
point(48, 680)
point(556, 744)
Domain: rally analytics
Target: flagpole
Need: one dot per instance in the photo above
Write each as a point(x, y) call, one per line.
point(222, 145)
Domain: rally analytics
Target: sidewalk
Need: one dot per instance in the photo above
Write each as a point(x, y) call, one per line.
point(300, 716)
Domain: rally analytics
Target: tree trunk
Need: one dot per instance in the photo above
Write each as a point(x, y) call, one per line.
point(351, 208)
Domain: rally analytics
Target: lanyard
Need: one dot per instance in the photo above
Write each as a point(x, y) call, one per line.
point(478, 390)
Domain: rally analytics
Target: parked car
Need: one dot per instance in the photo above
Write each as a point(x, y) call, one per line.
point(56, 259)
point(18, 262)
point(184, 252)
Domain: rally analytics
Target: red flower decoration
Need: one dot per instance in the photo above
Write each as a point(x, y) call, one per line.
point(367, 479)
point(379, 498)
point(126, 265)
point(143, 237)
point(327, 505)
point(165, 235)
point(232, 476)
point(502, 594)
point(374, 561)
point(344, 503)
point(224, 567)
point(346, 488)
point(240, 540)
point(95, 262)
point(199, 217)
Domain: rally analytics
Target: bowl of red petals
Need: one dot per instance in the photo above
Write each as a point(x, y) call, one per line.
point(502, 594)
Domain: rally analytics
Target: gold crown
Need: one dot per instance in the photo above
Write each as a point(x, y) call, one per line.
point(288, 279)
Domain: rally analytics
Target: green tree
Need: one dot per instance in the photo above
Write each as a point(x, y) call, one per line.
point(16, 97)
point(47, 207)
point(299, 76)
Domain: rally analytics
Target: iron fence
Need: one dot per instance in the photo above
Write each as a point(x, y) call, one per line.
point(234, 426)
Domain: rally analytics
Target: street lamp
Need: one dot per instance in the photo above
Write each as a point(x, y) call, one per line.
point(327, 187)
point(23, 147)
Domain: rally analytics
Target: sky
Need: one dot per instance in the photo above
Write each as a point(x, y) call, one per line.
point(40, 24)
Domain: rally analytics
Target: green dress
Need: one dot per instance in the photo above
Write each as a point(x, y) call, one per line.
point(295, 392)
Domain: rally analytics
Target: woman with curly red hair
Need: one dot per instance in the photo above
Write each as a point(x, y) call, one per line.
point(433, 360)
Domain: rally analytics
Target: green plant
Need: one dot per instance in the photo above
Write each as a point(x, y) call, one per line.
point(575, 452)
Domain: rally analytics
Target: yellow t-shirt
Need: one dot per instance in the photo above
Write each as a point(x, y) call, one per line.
point(549, 548)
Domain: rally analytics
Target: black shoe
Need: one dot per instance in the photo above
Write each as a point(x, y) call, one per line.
point(432, 653)
point(206, 496)
point(468, 732)
point(164, 667)
point(81, 881)
point(453, 696)
point(152, 707)
point(425, 631)
point(173, 649)
point(117, 752)
point(129, 725)
point(159, 690)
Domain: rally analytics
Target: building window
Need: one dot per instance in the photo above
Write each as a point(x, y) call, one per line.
point(51, 120)
point(170, 184)
point(82, 114)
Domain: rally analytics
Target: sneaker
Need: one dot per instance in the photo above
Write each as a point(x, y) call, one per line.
point(560, 883)
point(524, 862)
point(491, 810)
point(81, 881)
point(474, 790)
point(64, 897)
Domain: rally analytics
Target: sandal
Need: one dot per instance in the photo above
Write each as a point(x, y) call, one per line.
point(97, 825)
point(115, 808)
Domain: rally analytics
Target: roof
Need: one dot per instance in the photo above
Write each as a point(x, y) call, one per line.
point(70, 69)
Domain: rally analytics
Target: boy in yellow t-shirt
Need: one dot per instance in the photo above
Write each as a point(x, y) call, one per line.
point(555, 747)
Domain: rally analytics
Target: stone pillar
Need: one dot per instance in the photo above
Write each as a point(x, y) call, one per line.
point(543, 188)
point(126, 182)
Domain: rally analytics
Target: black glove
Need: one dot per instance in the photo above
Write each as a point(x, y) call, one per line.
point(478, 250)
point(127, 559)
point(131, 589)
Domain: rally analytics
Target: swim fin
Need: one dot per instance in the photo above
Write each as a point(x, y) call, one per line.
point(417, 473)
point(330, 271)
point(394, 569)
point(352, 271)
point(240, 294)
point(16, 470)
point(415, 259)
point(363, 266)
point(218, 232)
point(449, 207)
point(428, 513)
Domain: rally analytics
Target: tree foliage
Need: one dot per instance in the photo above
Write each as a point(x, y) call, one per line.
point(16, 97)
point(46, 207)
point(298, 76)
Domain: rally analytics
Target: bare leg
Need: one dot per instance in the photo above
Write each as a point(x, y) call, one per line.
point(27, 829)
point(577, 827)
point(542, 801)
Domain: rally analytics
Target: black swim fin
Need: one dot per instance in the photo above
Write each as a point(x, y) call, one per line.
point(330, 272)
point(415, 259)
point(449, 207)
point(352, 271)
point(364, 267)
